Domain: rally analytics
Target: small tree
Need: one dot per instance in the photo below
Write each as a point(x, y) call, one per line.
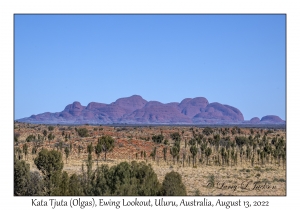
point(50, 164)
point(165, 149)
point(175, 136)
point(90, 148)
point(50, 137)
point(223, 151)
point(98, 150)
point(203, 148)
point(67, 152)
point(45, 134)
point(153, 153)
point(79, 150)
point(207, 154)
point(25, 150)
point(193, 150)
point(108, 143)
point(232, 156)
point(174, 152)
point(89, 166)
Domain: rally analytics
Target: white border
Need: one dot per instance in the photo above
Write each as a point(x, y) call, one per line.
point(9, 8)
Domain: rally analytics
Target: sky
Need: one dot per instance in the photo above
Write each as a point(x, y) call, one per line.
point(238, 60)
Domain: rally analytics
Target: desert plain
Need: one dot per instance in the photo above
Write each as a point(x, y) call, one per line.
point(241, 162)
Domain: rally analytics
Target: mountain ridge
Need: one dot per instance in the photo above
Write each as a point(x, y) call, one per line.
point(136, 110)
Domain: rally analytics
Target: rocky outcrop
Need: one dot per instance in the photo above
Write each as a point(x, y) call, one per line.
point(136, 110)
point(156, 112)
point(191, 107)
point(218, 113)
point(271, 119)
point(131, 104)
point(255, 120)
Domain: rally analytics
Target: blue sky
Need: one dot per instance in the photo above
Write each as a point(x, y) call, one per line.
point(237, 60)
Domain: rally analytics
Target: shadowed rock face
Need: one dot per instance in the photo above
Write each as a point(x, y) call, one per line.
point(156, 112)
point(191, 107)
point(136, 110)
point(74, 109)
point(218, 112)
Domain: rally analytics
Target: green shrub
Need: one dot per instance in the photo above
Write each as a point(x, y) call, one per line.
point(172, 185)
point(82, 132)
point(30, 138)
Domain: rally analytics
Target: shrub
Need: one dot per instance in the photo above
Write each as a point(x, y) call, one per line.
point(30, 138)
point(21, 177)
point(197, 192)
point(172, 185)
point(82, 132)
point(158, 138)
point(211, 181)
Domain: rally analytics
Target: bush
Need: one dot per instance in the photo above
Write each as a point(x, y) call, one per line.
point(35, 184)
point(281, 180)
point(172, 185)
point(82, 132)
point(21, 177)
point(158, 138)
point(30, 138)
point(207, 131)
point(49, 161)
point(125, 179)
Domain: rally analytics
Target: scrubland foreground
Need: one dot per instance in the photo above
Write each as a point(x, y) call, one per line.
point(149, 160)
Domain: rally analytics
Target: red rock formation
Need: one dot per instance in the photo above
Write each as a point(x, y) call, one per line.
point(255, 120)
point(271, 119)
point(136, 110)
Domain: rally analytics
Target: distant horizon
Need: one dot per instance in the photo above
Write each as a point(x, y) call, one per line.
point(147, 101)
point(241, 125)
point(238, 60)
